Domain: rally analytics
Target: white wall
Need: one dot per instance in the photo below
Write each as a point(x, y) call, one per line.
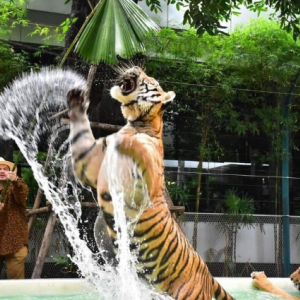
point(253, 246)
point(55, 6)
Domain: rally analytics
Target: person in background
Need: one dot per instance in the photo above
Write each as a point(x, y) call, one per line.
point(13, 222)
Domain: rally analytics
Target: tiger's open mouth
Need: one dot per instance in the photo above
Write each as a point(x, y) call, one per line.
point(128, 85)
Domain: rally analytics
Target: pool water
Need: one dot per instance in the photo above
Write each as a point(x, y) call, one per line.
point(246, 294)
point(242, 294)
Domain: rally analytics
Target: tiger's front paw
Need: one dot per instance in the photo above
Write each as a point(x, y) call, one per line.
point(256, 274)
point(76, 103)
point(295, 277)
point(261, 281)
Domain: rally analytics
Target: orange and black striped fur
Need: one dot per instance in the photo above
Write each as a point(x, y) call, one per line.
point(165, 257)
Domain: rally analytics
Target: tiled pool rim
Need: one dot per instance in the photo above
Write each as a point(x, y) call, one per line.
point(79, 286)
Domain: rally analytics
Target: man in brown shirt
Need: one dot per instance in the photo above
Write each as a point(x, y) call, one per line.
point(13, 222)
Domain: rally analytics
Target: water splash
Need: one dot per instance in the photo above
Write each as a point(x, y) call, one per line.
point(27, 107)
point(126, 260)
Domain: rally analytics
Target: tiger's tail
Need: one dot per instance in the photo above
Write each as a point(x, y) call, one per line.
point(219, 293)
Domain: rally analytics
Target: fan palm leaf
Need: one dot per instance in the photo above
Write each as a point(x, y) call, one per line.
point(117, 28)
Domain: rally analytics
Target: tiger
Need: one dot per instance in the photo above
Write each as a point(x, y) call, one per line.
point(295, 278)
point(261, 282)
point(165, 257)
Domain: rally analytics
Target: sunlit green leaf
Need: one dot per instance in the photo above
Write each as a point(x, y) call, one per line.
point(116, 29)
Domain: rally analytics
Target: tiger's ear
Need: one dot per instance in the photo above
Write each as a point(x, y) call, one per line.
point(168, 100)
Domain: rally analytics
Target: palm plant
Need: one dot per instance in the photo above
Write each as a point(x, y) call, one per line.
point(238, 211)
point(114, 28)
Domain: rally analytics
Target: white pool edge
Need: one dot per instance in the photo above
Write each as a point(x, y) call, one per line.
point(42, 287)
point(79, 286)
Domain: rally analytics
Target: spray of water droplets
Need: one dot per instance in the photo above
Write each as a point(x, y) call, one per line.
point(27, 107)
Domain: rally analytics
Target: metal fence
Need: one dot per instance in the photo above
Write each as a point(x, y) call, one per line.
point(233, 248)
point(229, 247)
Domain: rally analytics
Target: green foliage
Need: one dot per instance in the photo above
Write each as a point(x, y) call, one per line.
point(230, 83)
point(262, 60)
point(179, 196)
point(12, 14)
point(206, 15)
point(28, 177)
point(66, 262)
point(39, 225)
point(41, 31)
point(121, 24)
point(154, 5)
point(203, 101)
point(49, 33)
point(238, 207)
point(11, 63)
point(261, 45)
point(224, 85)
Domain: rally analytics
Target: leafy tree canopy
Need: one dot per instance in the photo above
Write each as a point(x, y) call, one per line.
point(12, 14)
point(206, 15)
point(228, 86)
point(239, 86)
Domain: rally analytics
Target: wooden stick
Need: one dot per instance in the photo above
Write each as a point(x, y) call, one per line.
point(38, 268)
point(30, 212)
point(90, 79)
point(48, 208)
point(108, 127)
point(40, 193)
point(177, 209)
point(89, 204)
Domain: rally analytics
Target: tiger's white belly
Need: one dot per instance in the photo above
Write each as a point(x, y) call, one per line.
point(120, 177)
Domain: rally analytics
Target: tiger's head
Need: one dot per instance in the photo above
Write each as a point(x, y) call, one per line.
point(141, 96)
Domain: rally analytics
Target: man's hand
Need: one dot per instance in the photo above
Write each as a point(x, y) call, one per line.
point(1, 206)
point(12, 176)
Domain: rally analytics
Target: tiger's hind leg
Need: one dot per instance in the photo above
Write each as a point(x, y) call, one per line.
point(261, 282)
